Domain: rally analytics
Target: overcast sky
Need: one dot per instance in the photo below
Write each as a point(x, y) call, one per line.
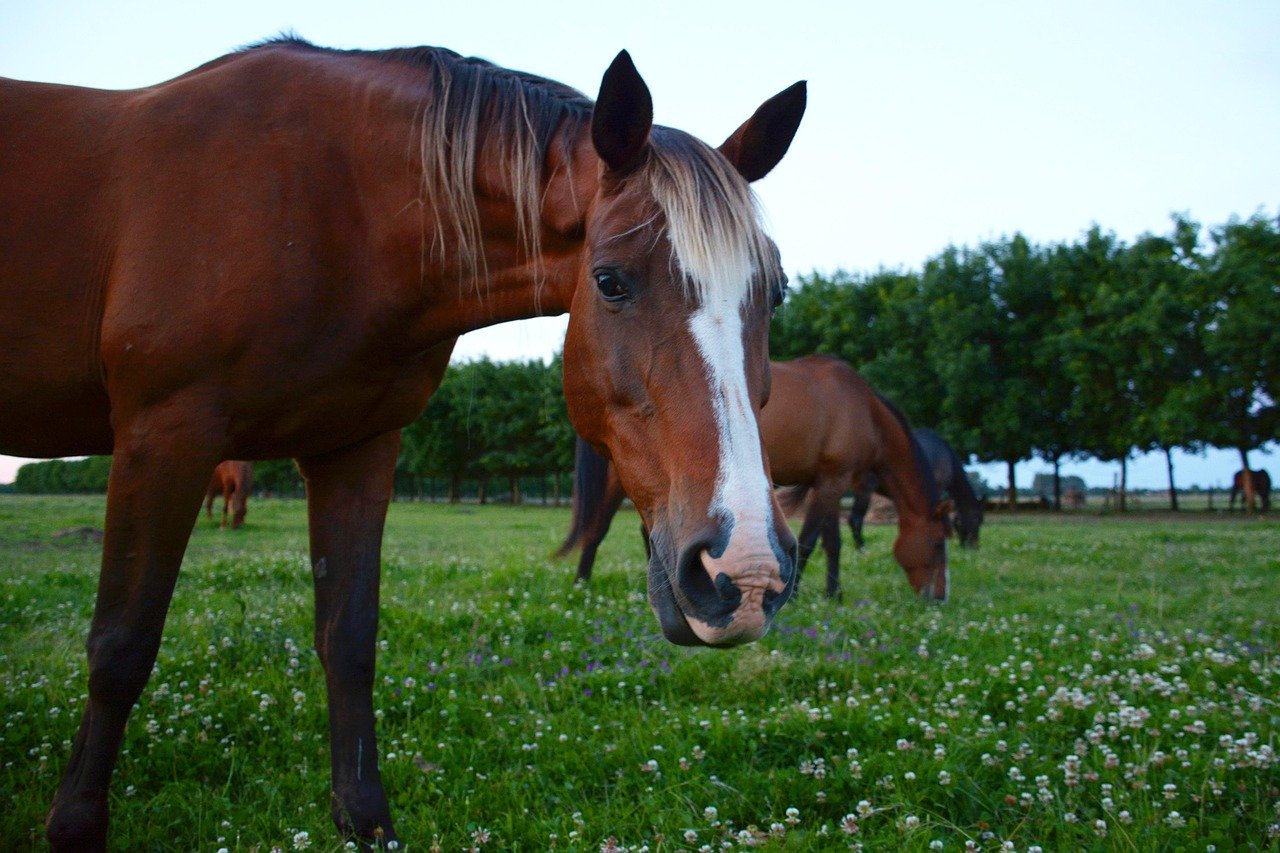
point(929, 123)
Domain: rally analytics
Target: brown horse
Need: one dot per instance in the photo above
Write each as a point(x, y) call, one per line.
point(233, 480)
point(1261, 481)
point(824, 429)
point(272, 256)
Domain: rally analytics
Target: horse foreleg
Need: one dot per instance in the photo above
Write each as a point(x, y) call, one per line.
point(857, 515)
point(347, 496)
point(808, 538)
point(831, 544)
point(239, 507)
point(153, 500)
point(598, 528)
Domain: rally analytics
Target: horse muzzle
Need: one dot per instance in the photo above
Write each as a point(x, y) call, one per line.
point(708, 594)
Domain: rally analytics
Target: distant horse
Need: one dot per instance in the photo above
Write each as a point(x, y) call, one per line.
point(1261, 489)
point(233, 481)
point(273, 255)
point(948, 474)
point(823, 429)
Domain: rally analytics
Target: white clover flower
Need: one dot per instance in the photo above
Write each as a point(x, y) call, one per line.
point(793, 816)
point(849, 824)
point(690, 836)
point(911, 822)
point(944, 778)
point(301, 840)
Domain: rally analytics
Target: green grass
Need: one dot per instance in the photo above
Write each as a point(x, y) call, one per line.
point(1088, 669)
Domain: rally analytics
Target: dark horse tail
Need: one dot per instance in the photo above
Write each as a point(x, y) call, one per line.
point(590, 478)
point(791, 498)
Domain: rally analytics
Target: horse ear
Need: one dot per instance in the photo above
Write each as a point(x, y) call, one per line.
point(623, 116)
point(758, 145)
point(945, 508)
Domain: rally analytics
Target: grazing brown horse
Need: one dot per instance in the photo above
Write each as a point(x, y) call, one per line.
point(272, 256)
point(948, 475)
point(1261, 490)
point(824, 429)
point(233, 480)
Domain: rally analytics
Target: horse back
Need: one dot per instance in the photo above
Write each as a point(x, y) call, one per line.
point(818, 421)
point(210, 237)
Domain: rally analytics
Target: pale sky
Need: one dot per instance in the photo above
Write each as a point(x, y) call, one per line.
point(929, 123)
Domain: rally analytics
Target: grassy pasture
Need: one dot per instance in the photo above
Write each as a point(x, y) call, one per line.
point(1095, 683)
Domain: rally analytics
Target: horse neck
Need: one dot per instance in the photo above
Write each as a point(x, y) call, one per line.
point(902, 468)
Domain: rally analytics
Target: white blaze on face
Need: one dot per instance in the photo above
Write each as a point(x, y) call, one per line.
point(742, 492)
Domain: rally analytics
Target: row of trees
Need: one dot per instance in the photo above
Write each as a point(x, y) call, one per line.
point(1011, 349)
point(63, 476)
point(1093, 348)
point(487, 422)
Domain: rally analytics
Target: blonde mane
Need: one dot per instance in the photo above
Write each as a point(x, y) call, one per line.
point(713, 217)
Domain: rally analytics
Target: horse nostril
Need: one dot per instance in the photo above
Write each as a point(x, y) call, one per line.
point(727, 589)
point(695, 582)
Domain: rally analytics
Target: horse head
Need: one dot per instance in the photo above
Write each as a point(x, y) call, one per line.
point(666, 356)
point(921, 549)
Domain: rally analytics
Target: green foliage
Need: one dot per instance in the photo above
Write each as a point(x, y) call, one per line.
point(1240, 388)
point(1113, 671)
point(64, 476)
point(492, 419)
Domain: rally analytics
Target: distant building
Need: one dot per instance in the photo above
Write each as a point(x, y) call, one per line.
point(1073, 489)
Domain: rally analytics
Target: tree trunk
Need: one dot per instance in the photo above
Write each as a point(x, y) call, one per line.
point(1013, 489)
point(1173, 490)
point(515, 491)
point(484, 481)
point(1247, 484)
point(1057, 485)
point(1124, 481)
point(555, 488)
point(455, 488)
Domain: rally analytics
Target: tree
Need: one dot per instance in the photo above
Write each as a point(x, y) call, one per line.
point(1237, 395)
point(1166, 340)
point(1099, 357)
point(978, 358)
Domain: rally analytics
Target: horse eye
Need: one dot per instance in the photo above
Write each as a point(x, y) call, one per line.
point(611, 285)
